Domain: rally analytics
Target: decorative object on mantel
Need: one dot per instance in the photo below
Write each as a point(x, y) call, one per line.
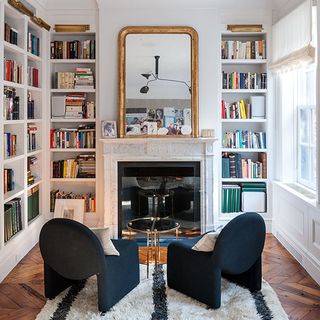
point(23, 9)
point(109, 129)
point(207, 133)
point(245, 27)
point(71, 27)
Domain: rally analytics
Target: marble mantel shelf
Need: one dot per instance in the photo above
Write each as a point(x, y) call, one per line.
point(161, 140)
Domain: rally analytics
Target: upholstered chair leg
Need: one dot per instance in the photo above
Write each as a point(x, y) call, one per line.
point(102, 294)
point(54, 283)
point(216, 290)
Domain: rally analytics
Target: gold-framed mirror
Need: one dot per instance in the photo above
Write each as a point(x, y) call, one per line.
point(158, 82)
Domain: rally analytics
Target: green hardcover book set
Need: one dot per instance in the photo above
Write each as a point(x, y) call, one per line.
point(33, 203)
point(231, 198)
point(12, 218)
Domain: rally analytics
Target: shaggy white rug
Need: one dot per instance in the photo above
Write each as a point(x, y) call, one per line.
point(151, 299)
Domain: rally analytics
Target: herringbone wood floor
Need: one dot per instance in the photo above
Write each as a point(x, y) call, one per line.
point(21, 293)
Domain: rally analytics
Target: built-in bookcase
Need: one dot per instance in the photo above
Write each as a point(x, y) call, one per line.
point(21, 164)
point(244, 122)
point(70, 52)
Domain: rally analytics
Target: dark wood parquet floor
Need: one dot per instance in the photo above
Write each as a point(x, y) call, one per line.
point(21, 293)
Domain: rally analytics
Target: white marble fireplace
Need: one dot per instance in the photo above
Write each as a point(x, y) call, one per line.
point(157, 149)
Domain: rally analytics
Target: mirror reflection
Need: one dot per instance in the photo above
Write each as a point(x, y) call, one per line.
point(158, 84)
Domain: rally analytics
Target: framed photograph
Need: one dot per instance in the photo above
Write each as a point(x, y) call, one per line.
point(109, 129)
point(69, 209)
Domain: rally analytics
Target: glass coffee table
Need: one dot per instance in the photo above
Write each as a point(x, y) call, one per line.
point(153, 227)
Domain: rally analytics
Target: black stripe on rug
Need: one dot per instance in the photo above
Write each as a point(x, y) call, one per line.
point(159, 295)
point(65, 305)
point(261, 305)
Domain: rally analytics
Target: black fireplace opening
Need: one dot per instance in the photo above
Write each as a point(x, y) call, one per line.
point(169, 190)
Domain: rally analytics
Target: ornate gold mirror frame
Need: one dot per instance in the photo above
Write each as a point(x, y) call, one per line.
point(194, 76)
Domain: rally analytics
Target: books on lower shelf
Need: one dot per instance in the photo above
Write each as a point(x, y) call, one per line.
point(84, 166)
point(75, 49)
point(32, 137)
point(82, 78)
point(89, 199)
point(8, 177)
point(13, 71)
point(33, 203)
point(234, 166)
point(12, 218)
point(243, 49)
point(243, 197)
point(10, 34)
point(33, 76)
point(30, 106)
point(10, 145)
point(244, 139)
point(244, 80)
point(11, 104)
point(81, 137)
point(33, 44)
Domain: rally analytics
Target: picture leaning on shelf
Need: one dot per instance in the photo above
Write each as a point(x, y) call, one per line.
point(109, 129)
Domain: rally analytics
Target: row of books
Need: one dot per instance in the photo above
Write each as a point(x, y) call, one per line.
point(242, 109)
point(33, 203)
point(64, 80)
point(12, 218)
point(10, 145)
point(234, 166)
point(83, 78)
point(12, 71)
point(33, 76)
point(30, 106)
point(32, 137)
point(243, 50)
point(243, 197)
point(77, 107)
point(84, 166)
point(8, 176)
point(244, 139)
point(30, 176)
point(10, 34)
point(244, 80)
point(33, 44)
point(89, 199)
point(82, 137)
point(11, 104)
point(75, 49)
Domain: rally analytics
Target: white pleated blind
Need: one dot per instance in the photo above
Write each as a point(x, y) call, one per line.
point(291, 39)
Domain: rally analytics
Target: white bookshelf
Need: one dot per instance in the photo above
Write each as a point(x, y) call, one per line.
point(75, 185)
point(252, 124)
point(12, 250)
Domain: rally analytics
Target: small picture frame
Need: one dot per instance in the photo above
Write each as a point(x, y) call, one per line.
point(69, 209)
point(109, 129)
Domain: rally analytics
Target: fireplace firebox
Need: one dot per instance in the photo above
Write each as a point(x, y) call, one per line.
point(159, 189)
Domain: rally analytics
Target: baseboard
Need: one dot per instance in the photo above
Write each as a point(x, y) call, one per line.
point(300, 253)
point(20, 247)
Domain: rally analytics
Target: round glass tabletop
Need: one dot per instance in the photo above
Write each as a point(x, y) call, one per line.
point(153, 225)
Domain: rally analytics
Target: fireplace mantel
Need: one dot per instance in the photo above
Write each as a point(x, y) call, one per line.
point(157, 149)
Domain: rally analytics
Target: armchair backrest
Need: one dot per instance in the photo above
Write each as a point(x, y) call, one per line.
point(71, 249)
point(240, 243)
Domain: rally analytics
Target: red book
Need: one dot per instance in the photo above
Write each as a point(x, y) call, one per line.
point(223, 114)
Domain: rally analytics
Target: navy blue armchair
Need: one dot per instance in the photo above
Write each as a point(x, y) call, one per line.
point(72, 252)
point(236, 256)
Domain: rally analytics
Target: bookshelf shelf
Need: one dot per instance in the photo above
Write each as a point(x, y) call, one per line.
point(11, 159)
point(244, 120)
point(12, 48)
point(36, 183)
point(18, 191)
point(73, 90)
point(244, 90)
point(243, 180)
point(74, 180)
point(82, 150)
point(34, 57)
point(34, 120)
point(72, 120)
point(73, 61)
point(244, 61)
point(13, 122)
point(34, 152)
point(239, 150)
point(35, 89)
point(13, 84)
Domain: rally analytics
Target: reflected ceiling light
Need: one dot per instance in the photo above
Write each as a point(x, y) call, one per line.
point(155, 77)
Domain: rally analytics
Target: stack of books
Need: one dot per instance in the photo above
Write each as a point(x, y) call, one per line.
point(87, 166)
point(30, 106)
point(33, 44)
point(12, 218)
point(244, 139)
point(32, 137)
point(64, 80)
point(75, 49)
point(231, 195)
point(233, 166)
point(64, 168)
point(10, 34)
point(33, 77)
point(11, 104)
point(236, 110)
point(82, 137)
point(33, 203)
point(13, 71)
point(89, 199)
point(83, 78)
point(244, 80)
point(8, 177)
point(243, 50)
point(10, 145)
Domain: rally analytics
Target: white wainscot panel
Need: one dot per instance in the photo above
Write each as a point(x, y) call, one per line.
point(314, 232)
